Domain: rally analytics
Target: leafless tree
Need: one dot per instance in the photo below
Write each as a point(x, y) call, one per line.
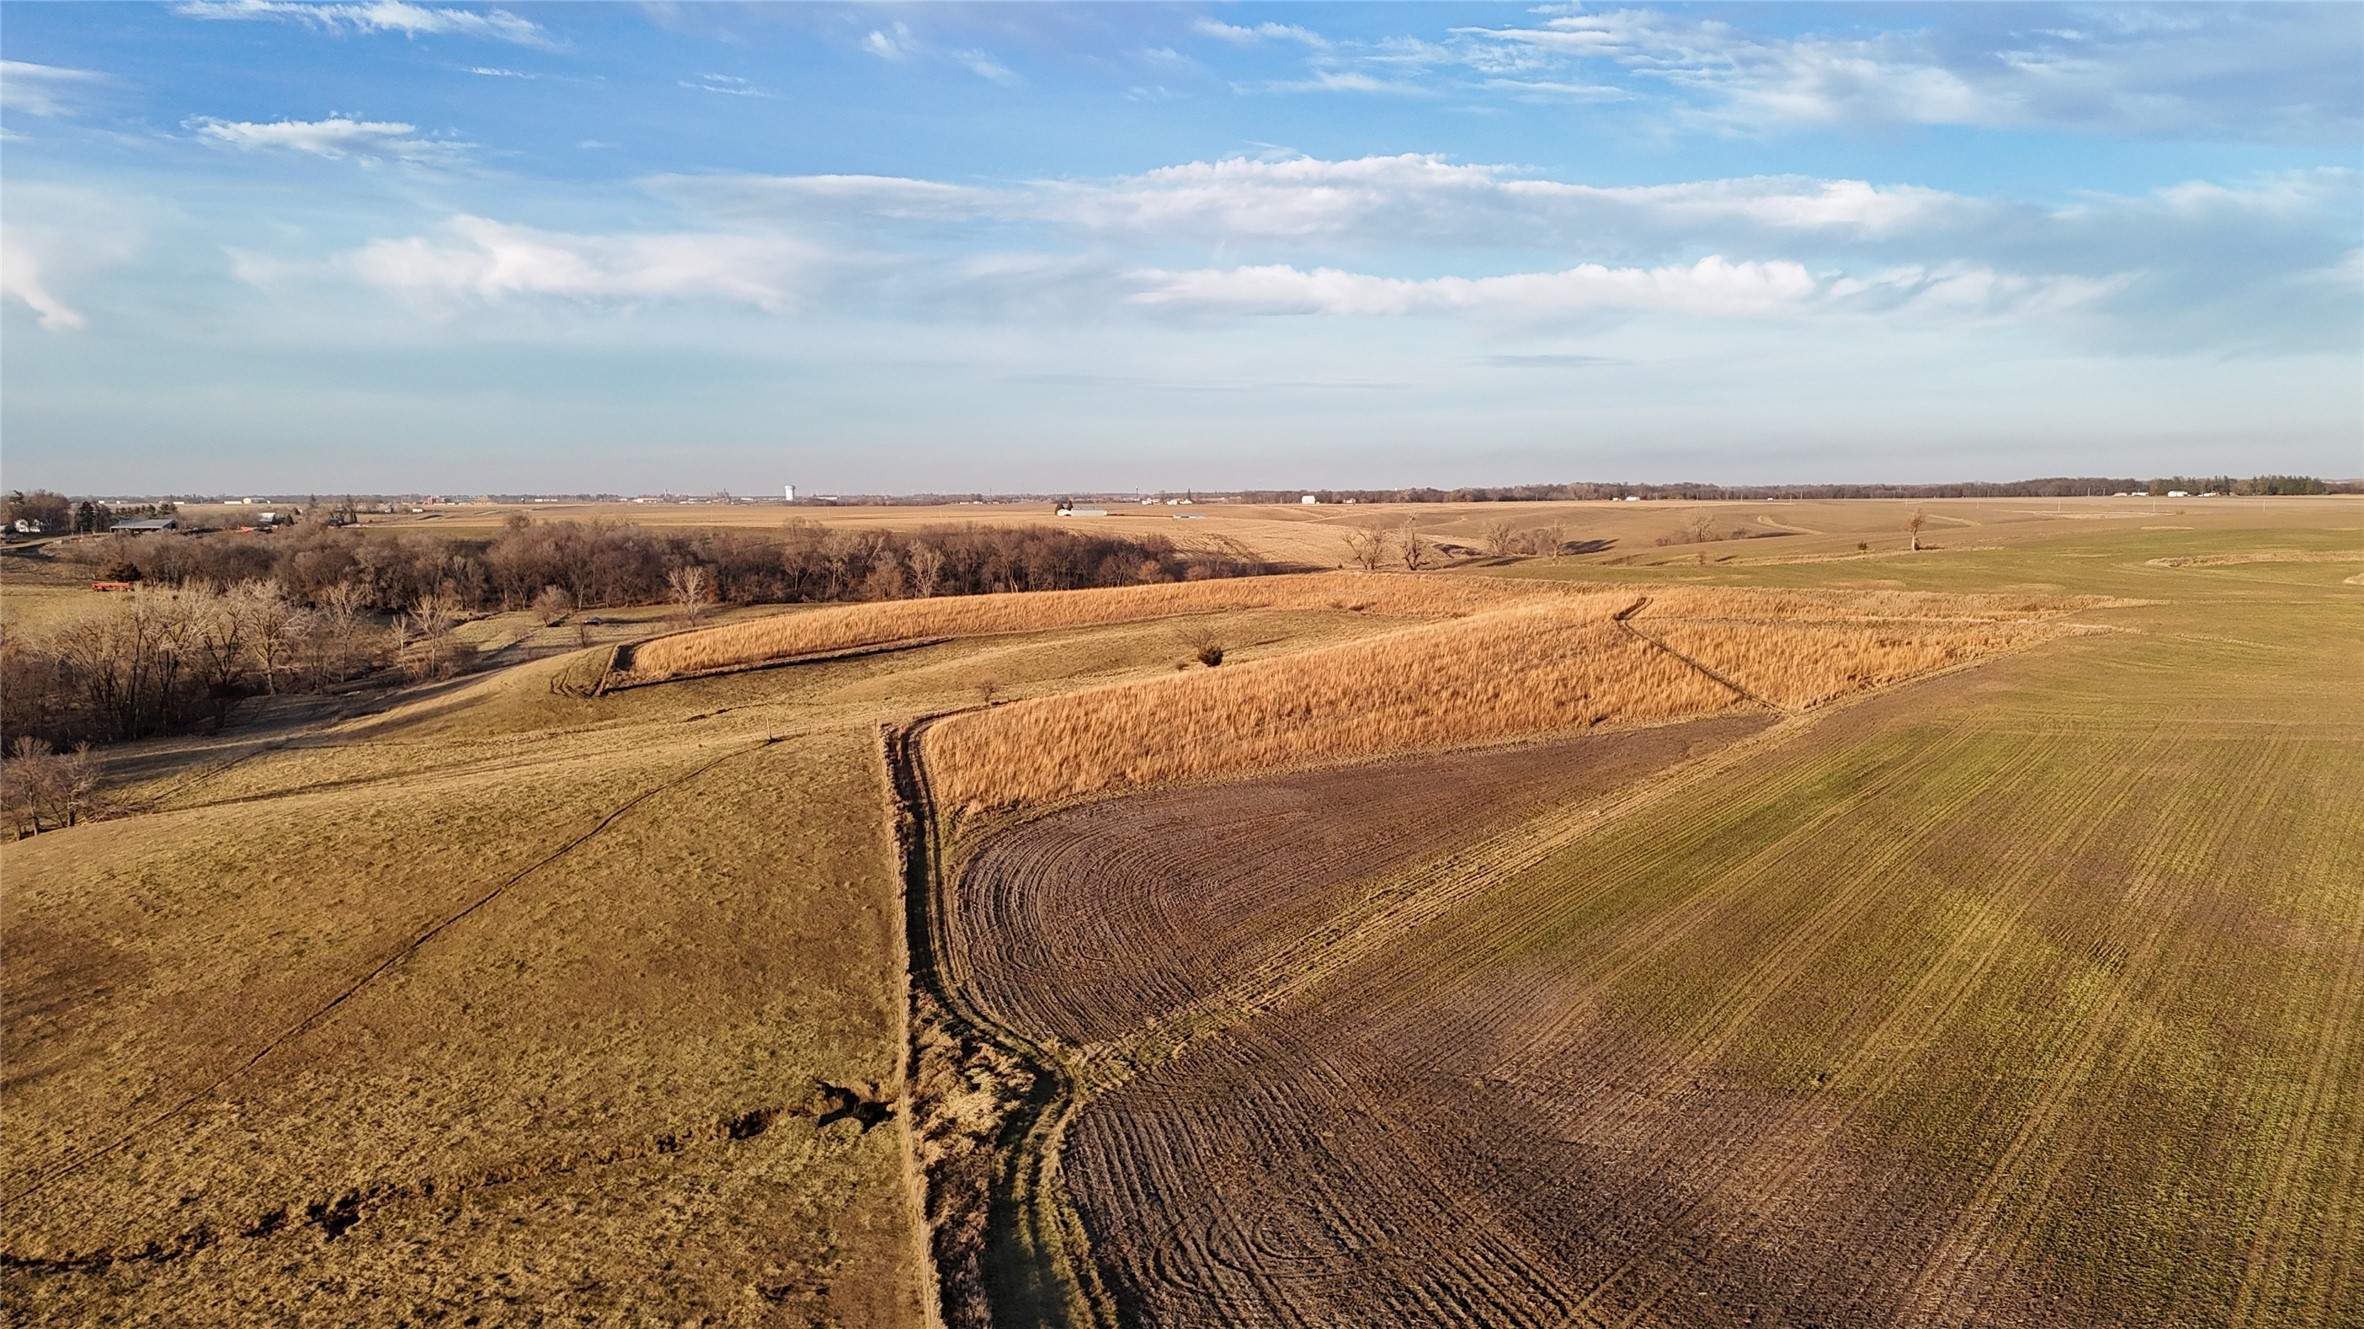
point(988, 687)
point(692, 588)
point(432, 618)
point(552, 604)
point(273, 631)
point(1206, 645)
point(344, 622)
point(1368, 546)
point(1501, 538)
point(1913, 525)
point(43, 789)
point(1417, 552)
point(927, 569)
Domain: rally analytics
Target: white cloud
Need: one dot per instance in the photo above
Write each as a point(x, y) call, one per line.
point(728, 86)
point(335, 137)
point(44, 90)
point(377, 16)
point(1415, 196)
point(986, 67)
point(1713, 285)
point(21, 278)
point(1338, 80)
point(490, 72)
point(487, 260)
point(898, 46)
point(53, 238)
point(2272, 71)
point(1257, 34)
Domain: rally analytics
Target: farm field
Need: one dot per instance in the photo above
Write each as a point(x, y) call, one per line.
point(1315, 537)
point(498, 1003)
point(1968, 937)
point(2027, 995)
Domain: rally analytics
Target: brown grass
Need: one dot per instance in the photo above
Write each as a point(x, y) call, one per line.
point(1521, 671)
point(1804, 664)
point(1518, 671)
point(843, 627)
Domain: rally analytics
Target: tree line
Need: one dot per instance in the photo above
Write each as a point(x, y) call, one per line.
point(2049, 487)
point(218, 617)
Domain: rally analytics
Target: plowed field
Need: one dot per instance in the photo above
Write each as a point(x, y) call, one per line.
point(2032, 995)
point(1093, 921)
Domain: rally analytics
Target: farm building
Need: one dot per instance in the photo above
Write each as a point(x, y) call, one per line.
point(149, 524)
point(1083, 512)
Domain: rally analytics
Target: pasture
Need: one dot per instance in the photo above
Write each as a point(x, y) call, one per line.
point(1759, 932)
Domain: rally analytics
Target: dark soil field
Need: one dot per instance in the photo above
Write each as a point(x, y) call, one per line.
point(1090, 923)
point(2031, 995)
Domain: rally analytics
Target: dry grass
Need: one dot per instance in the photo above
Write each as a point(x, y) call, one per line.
point(1806, 664)
point(1806, 604)
point(846, 627)
point(1519, 671)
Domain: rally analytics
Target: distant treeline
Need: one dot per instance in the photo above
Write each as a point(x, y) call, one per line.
point(599, 564)
point(223, 615)
point(2050, 487)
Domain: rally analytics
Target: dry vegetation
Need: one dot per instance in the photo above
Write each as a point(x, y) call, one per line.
point(1530, 668)
point(1806, 664)
point(787, 636)
point(1511, 674)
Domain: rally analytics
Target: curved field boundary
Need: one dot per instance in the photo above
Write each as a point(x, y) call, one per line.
point(620, 676)
point(1011, 1250)
point(756, 642)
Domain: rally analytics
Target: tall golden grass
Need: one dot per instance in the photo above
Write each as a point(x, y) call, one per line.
point(1738, 602)
point(1526, 670)
point(845, 627)
point(1796, 665)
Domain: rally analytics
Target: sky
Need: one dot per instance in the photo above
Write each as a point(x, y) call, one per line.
point(389, 246)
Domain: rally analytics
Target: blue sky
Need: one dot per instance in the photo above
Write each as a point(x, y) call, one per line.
point(383, 245)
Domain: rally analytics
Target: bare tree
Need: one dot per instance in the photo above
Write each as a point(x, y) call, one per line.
point(1368, 546)
point(988, 687)
point(274, 629)
point(344, 618)
point(1913, 525)
point(42, 789)
point(432, 618)
point(927, 569)
point(551, 605)
point(1206, 645)
point(1548, 538)
point(1501, 538)
point(692, 588)
point(1417, 552)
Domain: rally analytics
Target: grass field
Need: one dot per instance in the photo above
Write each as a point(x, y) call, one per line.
point(2028, 994)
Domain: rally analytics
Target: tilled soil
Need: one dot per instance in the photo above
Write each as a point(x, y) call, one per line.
point(1088, 923)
